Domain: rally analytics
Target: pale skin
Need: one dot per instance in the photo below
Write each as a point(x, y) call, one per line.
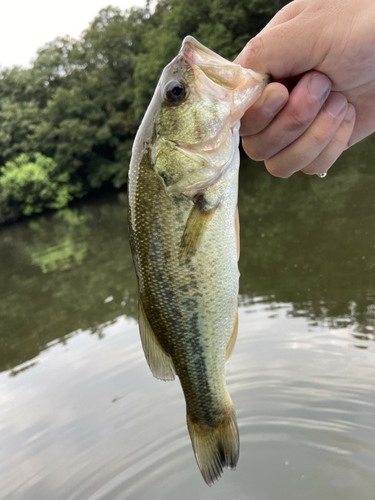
point(323, 51)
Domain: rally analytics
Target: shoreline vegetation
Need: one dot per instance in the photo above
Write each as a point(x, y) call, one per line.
point(67, 123)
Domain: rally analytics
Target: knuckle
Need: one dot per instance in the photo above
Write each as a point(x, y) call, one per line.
point(276, 170)
point(252, 149)
point(318, 135)
point(254, 47)
point(330, 153)
point(299, 120)
point(343, 134)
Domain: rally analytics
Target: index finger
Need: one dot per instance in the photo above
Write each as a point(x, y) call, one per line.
point(262, 112)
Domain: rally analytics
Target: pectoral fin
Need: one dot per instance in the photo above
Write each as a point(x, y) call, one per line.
point(233, 338)
point(194, 229)
point(237, 229)
point(159, 362)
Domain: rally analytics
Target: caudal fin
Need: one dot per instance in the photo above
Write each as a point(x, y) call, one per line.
point(215, 448)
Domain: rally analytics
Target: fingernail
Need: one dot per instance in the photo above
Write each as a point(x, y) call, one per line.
point(335, 104)
point(273, 103)
point(319, 86)
point(350, 113)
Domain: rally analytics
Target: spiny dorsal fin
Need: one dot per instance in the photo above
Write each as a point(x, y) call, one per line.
point(159, 362)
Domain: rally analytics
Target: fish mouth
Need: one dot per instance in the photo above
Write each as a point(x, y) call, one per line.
point(227, 73)
point(220, 91)
point(196, 53)
point(223, 78)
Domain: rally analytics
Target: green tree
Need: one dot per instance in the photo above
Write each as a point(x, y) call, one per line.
point(18, 120)
point(82, 100)
point(88, 124)
point(32, 185)
point(222, 25)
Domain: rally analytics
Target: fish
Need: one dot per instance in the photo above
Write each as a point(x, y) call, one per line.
point(184, 237)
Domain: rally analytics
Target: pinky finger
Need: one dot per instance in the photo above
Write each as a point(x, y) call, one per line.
point(336, 146)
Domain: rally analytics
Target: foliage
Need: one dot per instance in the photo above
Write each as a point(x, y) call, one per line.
point(34, 184)
point(81, 101)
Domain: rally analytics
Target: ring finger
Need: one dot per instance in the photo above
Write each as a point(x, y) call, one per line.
point(303, 151)
point(335, 147)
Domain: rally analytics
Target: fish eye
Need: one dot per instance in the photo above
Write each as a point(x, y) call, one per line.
point(175, 91)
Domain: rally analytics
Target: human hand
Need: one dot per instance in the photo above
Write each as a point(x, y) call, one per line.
point(331, 43)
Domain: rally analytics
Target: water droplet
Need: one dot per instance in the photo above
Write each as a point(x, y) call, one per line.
point(322, 175)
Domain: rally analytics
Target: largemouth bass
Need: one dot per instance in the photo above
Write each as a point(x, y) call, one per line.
point(184, 236)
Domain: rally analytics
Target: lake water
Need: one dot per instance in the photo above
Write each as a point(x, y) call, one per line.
point(82, 418)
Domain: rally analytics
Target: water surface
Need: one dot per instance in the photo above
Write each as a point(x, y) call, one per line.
point(81, 416)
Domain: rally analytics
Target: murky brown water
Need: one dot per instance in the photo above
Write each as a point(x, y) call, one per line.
point(81, 416)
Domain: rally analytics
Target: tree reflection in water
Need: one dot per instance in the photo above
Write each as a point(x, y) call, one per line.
point(306, 242)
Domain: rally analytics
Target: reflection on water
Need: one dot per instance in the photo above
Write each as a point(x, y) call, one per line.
point(311, 242)
point(81, 416)
point(56, 273)
point(68, 248)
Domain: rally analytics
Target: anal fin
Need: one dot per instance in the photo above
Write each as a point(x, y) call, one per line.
point(158, 360)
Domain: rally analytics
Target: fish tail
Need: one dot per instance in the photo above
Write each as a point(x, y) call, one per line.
point(215, 447)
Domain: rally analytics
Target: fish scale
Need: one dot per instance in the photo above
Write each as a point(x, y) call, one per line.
point(183, 231)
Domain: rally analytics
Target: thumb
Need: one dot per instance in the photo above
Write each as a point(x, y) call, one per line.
point(284, 47)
